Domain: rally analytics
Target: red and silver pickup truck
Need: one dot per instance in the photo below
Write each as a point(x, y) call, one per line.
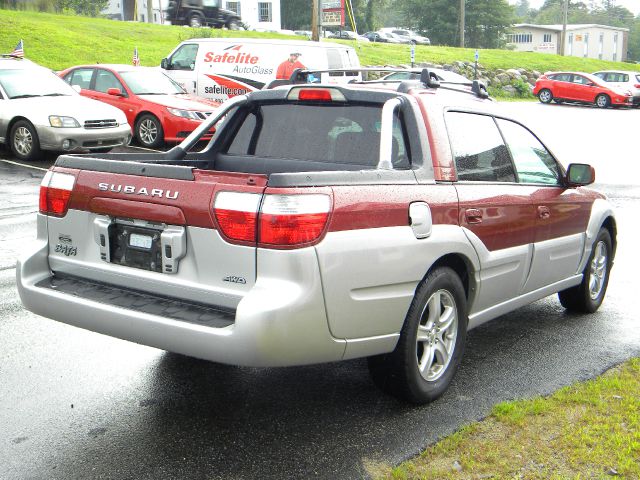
point(323, 223)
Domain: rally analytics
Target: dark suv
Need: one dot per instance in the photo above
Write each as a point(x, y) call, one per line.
point(200, 13)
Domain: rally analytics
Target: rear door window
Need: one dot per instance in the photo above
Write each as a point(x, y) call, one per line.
point(479, 152)
point(344, 134)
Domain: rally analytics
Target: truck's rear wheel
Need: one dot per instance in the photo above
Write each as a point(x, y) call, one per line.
point(195, 21)
point(431, 342)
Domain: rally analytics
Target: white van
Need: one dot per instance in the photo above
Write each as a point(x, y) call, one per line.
point(219, 68)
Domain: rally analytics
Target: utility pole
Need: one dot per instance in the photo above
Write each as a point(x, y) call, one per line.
point(462, 23)
point(150, 11)
point(315, 35)
point(565, 14)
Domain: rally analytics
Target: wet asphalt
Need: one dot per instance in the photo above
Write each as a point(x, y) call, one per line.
point(75, 404)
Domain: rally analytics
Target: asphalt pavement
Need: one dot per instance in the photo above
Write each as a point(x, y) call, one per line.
point(75, 404)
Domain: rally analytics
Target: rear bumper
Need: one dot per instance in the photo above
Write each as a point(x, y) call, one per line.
point(278, 323)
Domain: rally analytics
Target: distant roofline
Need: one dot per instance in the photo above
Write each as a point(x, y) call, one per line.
point(558, 28)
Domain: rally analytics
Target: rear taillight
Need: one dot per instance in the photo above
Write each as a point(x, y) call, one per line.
point(281, 220)
point(237, 215)
point(55, 193)
point(288, 220)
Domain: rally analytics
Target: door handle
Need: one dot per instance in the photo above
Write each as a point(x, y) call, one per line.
point(544, 212)
point(473, 215)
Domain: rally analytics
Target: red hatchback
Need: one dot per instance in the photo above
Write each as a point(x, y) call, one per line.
point(579, 87)
point(157, 108)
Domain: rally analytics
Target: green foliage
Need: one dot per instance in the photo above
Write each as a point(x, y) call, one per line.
point(91, 8)
point(295, 14)
point(486, 21)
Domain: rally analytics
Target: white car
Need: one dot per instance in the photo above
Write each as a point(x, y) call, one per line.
point(440, 74)
point(40, 111)
point(408, 36)
point(623, 80)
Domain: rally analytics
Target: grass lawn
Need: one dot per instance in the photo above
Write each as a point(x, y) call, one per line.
point(585, 431)
point(61, 41)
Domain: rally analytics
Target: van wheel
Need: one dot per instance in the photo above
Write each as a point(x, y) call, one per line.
point(431, 342)
point(195, 21)
point(149, 131)
point(233, 24)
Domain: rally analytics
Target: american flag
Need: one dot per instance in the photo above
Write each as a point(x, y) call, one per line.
point(136, 58)
point(19, 50)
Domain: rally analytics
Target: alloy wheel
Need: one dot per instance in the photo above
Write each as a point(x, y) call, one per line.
point(436, 337)
point(23, 141)
point(148, 131)
point(598, 270)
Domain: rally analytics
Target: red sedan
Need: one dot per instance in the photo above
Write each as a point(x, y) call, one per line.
point(579, 87)
point(157, 108)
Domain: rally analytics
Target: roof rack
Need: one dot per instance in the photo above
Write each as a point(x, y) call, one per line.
point(428, 79)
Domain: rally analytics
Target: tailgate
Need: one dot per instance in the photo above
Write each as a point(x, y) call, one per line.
point(152, 228)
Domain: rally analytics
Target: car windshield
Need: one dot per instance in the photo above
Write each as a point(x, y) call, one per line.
point(150, 82)
point(33, 82)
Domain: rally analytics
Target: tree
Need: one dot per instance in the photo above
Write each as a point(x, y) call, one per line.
point(486, 21)
point(296, 14)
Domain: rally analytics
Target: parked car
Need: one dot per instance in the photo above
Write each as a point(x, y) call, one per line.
point(623, 80)
point(381, 37)
point(158, 109)
point(580, 87)
point(323, 223)
point(38, 111)
point(408, 36)
point(440, 74)
point(201, 13)
point(348, 35)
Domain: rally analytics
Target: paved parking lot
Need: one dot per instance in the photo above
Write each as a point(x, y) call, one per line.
point(75, 404)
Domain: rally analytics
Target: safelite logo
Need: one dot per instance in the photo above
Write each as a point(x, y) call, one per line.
point(232, 54)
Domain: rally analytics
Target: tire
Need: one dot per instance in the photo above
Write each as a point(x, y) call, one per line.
point(421, 367)
point(545, 95)
point(602, 101)
point(233, 24)
point(149, 131)
point(24, 142)
point(195, 21)
point(588, 296)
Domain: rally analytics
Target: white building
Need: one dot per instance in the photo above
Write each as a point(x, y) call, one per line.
point(259, 15)
point(589, 40)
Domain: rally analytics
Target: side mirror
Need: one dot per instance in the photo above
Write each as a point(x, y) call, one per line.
point(579, 174)
point(164, 64)
point(115, 92)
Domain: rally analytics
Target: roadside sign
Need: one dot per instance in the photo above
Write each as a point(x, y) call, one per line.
point(332, 13)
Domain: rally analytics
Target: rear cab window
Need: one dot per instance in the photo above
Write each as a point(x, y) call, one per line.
point(345, 134)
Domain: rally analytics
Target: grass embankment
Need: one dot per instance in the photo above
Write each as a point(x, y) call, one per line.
point(588, 430)
point(60, 41)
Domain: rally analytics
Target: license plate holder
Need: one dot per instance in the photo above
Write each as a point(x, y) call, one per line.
point(135, 246)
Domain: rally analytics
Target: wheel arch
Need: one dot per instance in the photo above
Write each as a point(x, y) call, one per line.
point(13, 121)
point(463, 267)
point(139, 115)
point(611, 226)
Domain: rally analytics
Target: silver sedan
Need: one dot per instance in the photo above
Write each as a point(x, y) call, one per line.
point(39, 111)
